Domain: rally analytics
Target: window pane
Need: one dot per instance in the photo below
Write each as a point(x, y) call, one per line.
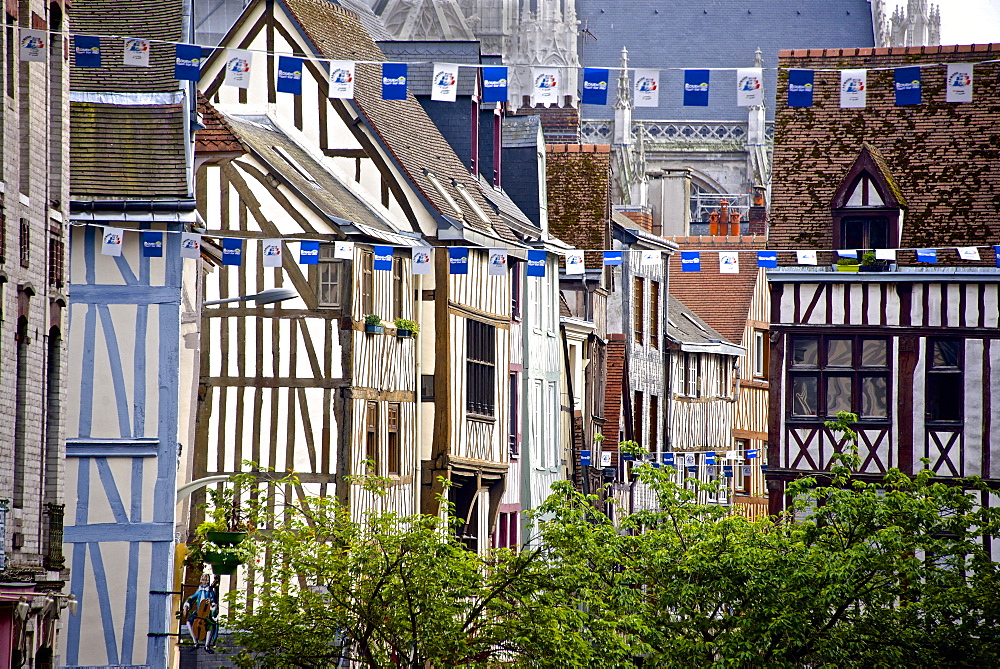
point(874, 398)
point(873, 353)
point(945, 353)
point(838, 394)
point(838, 352)
point(804, 395)
point(944, 397)
point(805, 351)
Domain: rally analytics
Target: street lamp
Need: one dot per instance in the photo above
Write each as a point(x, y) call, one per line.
point(264, 297)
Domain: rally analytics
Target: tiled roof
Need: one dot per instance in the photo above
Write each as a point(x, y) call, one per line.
point(217, 135)
point(685, 326)
point(579, 191)
point(943, 156)
point(722, 300)
point(713, 33)
point(402, 124)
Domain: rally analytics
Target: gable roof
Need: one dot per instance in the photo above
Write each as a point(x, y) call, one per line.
point(692, 333)
point(216, 136)
point(870, 161)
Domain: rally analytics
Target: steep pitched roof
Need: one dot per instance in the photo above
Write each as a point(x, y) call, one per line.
point(216, 136)
point(686, 327)
point(703, 291)
point(870, 160)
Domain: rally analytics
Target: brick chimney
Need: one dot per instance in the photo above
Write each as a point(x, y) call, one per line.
point(757, 216)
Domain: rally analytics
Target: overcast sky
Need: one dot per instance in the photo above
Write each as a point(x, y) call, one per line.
point(968, 21)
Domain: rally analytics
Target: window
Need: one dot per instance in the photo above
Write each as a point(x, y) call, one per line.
point(654, 418)
point(839, 373)
point(331, 278)
point(638, 316)
point(515, 289)
point(654, 313)
point(397, 288)
point(505, 535)
point(865, 232)
point(944, 381)
point(637, 418)
point(3, 233)
point(480, 367)
point(689, 374)
point(761, 353)
point(394, 453)
point(371, 437)
point(514, 415)
point(56, 262)
point(21, 409)
point(741, 481)
point(367, 283)
point(25, 243)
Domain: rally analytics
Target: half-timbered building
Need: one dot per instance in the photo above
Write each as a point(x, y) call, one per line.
point(914, 349)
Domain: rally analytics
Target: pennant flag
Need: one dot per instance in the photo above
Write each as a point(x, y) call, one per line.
point(238, 62)
point(747, 470)
point(654, 465)
point(612, 257)
point(152, 244)
point(271, 250)
point(458, 260)
point(749, 87)
point(34, 45)
point(190, 245)
point(628, 456)
point(968, 252)
point(289, 75)
point(907, 81)
point(959, 82)
point(927, 255)
point(692, 471)
point(996, 254)
point(111, 244)
point(393, 81)
point(383, 258)
point(727, 471)
point(444, 88)
point(595, 86)
point(710, 458)
point(696, 88)
point(136, 52)
point(711, 470)
point(605, 458)
point(497, 262)
point(309, 253)
point(584, 458)
point(885, 254)
point(343, 250)
point(421, 260)
point(574, 262)
point(86, 51)
point(847, 253)
point(536, 263)
point(853, 85)
point(690, 261)
point(806, 257)
point(751, 453)
point(729, 262)
point(668, 459)
point(232, 251)
point(495, 84)
point(651, 258)
point(690, 459)
point(544, 86)
point(187, 62)
point(763, 468)
point(800, 88)
point(646, 88)
point(341, 79)
point(767, 258)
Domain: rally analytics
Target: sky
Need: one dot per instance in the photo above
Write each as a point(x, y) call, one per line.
point(967, 21)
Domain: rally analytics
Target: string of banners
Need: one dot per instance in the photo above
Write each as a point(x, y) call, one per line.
point(547, 81)
point(709, 462)
point(272, 253)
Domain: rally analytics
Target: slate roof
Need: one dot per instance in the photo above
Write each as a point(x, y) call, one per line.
point(712, 33)
point(942, 156)
point(686, 327)
point(520, 131)
point(419, 76)
point(403, 125)
point(721, 300)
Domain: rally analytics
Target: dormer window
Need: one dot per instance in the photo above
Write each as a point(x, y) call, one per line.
point(865, 193)
point(867, 208)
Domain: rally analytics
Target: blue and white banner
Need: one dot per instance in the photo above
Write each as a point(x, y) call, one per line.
point(595, 86)
point(927, 255)
point(383, 258)
point(34, 45)
point(907, 84)
point(696, 88)
point(668, 459)
point(690, 261)
point(309, 253)
point(747, 470)
point(271, 251)
point(498, 262)
point(710, 458)
point(86, 51)
point(536, 263)
point(996, 254)
point(968, 252)
point(341, 79)
point(421, 260)
point(584, 458)
point(612, 257)
point(444, 87)
point(458, 260)
point(767, 258)
point(343, 250)
point(646, 88)
point(545, 85)
point(190, 245)
point(958, 85)
point(751, 453)
point(806, 257)
point(495, 84)
point(853, 88)
point(727, 471)
point(574, 262)
point(238, 66)
point(187, 62)
point(885, 254)
point(152, 244)
point(800, 88)
point(289, 75)
point(112, 241)
point(393, 81)
point(729, 262)
point(690, 459)
point(847, 253)
point(749, 87)
point(136, 52)
point(232, 251)
point(651, 258)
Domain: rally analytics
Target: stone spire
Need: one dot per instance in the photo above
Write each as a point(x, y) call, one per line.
point(623, 105)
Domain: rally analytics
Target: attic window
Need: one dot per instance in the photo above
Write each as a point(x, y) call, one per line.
point(480, 214)
point(865, 194)
point(694, 322)
point(295, 165)
point(442, 192)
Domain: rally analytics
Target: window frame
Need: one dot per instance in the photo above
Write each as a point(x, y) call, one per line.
point(367, 283)
point(932, 373)
point(822, 372)
point(638, 313)
point(480, 368)
point(654, 310)
point(338, 287)
point(372, 445)
point(762, 354)
point(393, 441)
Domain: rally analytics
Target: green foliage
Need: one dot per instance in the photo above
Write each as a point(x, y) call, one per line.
point(851, 261)
point(373, 319)
point(868, 258)
point(404, 324)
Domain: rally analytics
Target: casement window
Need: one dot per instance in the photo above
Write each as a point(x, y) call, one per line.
point(3, 235)
point(761, 354)
point(638, 301)
point(57, 261)
point(945, 381)
point(25, 240)
point(367, 283)
point(839, 373)
point(637, 418)
point(371, 437)
point(690, 364)
point(332, 278)
point(516, 288)
point(506, 533)
point(741, 483)
point(480, 368)
point(654, 419)
point(393, 446)
point(514, 414)
point(654, 313)
point(397, 288)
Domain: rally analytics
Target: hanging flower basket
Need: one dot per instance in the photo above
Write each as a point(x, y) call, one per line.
point(374, 329)
point(223, 563)
point(225, 538)
point(404, 334)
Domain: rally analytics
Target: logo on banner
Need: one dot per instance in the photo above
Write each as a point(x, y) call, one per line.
point(136, 46)
point(545, 81)
point(341, 76)
point(646, 85)
point(188, 62)
point(800, 88)
point(574, 259)
point(495, 83)
point(294, 76)
point(959, 80)
point(595, 85)
point(148, 244)
point(696, 88)
point(190, 244)
point(32, 42)
point(272, 250)
point(238, 65)
point(498, 259)
point(394, 81)
point(908, 85)
point(112, 238)
point(750, 83)
point(384, 257)
point(306, 252)
point(852, 85)
point(421, 257)
point(445, 78)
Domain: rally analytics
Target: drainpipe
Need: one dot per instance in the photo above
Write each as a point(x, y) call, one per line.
point(418, 402)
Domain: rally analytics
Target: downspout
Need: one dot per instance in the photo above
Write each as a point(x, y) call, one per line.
point(577, 469)
point(418, 402)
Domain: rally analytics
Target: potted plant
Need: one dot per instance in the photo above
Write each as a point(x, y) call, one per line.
point(870, 264)
point(221, 540)
point(405, 328)
point(848, 265)
point(373, 324)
